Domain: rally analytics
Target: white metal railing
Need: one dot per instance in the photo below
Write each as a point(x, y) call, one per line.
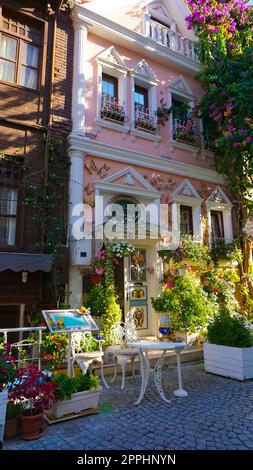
point(35, 356)
point(144, 120)
point(185, 131)
point(111, 110)
point(169, 38)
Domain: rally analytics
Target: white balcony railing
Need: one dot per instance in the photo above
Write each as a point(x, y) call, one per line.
point(171, 39)
point(111, 110)
point(144, 120)
point(33, 347)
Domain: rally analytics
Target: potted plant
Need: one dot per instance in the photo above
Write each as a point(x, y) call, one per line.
point(226, 254)
point(8, 368)
point(35, 390)
point(229, 350)
point(189, 252)
point(14, 410)
point(187, 304)
point(163, 112)
point(74, 395)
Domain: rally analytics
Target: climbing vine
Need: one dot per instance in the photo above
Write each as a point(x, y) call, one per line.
point(225, 33)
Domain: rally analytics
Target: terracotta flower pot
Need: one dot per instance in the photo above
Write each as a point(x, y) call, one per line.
point(32, 427)
point(11, 428)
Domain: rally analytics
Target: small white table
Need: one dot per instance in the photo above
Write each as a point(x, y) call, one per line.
point(144, 348)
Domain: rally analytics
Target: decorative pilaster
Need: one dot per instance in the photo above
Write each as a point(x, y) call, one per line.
point(79, 78)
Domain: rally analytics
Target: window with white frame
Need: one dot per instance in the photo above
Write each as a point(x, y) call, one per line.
point(144, 98)
point(217, 225)
point(111, 97)
point(144, 117)
point(183, 122)
point(219, 215)
point(186, 221)
point(186, 211)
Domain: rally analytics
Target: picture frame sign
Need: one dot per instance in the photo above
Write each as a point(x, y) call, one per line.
point(69, 321)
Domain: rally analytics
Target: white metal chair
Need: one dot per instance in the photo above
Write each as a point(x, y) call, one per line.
point(122, 334)
point(82, 354)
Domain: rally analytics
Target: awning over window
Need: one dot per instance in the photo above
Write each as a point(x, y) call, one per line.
point(25, 262)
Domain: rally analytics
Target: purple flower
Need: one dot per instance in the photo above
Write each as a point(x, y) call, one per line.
point(249, 139)
point(235, 145)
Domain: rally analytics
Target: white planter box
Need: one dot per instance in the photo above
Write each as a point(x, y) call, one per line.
point(188, 338)
point(236, 363)
point(80, 401)
point(3, 405)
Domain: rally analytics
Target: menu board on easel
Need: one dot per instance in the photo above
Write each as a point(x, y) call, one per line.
point(69, 321)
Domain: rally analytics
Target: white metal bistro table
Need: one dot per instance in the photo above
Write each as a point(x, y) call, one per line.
point(144, 348)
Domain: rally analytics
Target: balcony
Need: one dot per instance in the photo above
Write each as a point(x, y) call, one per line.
point(171, 39)
point(112, 111)
point(145, 121)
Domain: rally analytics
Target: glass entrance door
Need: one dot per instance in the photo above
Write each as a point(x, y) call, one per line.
point(137, 289)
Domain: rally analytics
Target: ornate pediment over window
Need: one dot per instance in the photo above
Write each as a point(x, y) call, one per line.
point(219, 197)
point(144, 71)
point(159, 12)
point(181, 87)
point(110, 56)
point(186, 191)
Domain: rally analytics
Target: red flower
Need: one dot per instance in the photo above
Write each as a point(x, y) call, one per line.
point(53, 338)
point(59, 345)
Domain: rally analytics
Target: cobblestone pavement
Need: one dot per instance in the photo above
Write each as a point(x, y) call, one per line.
point(217, 414)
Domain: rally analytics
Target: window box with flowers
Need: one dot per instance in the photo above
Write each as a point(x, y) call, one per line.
point(112, 111)
point(185, 132)
point(145, 123)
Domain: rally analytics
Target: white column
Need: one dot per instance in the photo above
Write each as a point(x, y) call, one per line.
point(75, 197)
point(99, 91)
point(197, 232)
point(228, 228)
point(79, 78)
point(146, 24)
point(75, 286)
point(132, 87)
point(75, 182)
point(175, 223)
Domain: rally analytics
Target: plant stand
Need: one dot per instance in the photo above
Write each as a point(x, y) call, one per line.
point(50, 419)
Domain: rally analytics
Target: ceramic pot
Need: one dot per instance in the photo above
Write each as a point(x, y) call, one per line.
point(11, 428)
point(32, 427)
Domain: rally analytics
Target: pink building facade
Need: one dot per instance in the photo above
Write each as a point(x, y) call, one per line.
point(132, 60)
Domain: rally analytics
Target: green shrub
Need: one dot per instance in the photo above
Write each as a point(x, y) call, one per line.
point(14, 410)
point(96, 300)
point(68, 385)
point(186, 303)
point(229, 251)
point(229, 331)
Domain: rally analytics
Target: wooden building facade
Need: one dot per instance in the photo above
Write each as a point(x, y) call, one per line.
point(36, 50)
